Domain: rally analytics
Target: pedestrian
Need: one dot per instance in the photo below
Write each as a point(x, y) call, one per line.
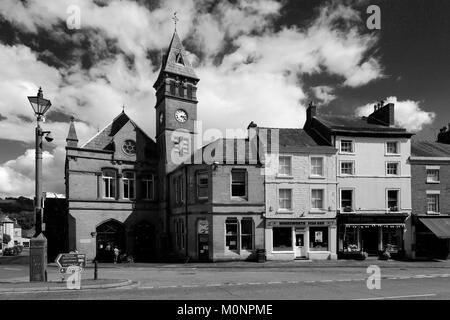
point(116, 254)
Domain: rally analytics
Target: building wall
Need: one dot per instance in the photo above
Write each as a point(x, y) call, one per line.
point(370, 173)
point(420, 186)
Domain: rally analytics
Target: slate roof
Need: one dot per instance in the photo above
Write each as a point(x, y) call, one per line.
point(170, 64)
point(298, 140)
point(429, 149)
point(356, 124)
point(103, 139)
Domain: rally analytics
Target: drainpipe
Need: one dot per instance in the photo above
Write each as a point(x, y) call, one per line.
point(186, 211)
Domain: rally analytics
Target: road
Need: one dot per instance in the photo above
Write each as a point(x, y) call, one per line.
point(237, 283)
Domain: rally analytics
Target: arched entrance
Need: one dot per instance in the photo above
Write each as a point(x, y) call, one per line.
point(109, 235)
point(144, 246)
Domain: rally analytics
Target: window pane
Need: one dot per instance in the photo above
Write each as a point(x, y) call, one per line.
point(432, 175)
point(433, 202)
point(392, 147)
point(106, 185)
point(231, 234)
point(317, 166)
point(318, 239)
point(126, 189)
point(202, 185)
point(347, 199)
point(392, 168)
point(285, 198)
point(282, 239)
point(346, 167)
point(346, 146)
point(247, 234)
point(238, 187)
point(285, 166)
point(393, 200)
point(317, 199)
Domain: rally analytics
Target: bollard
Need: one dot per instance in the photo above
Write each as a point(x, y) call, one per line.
point(95, 270)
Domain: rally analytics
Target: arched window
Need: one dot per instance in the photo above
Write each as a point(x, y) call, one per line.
point(181, 89)
point(109, 178)
point(189, 92)
point(129, 185)
point(172, 87)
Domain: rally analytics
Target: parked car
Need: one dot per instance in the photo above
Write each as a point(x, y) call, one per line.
point(10, 252)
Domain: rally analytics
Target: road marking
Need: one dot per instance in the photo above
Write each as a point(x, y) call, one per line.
point(254, 283)
point(326, 280)
point(401, 297)
point(213, 285)
point(13, 269)
point(274, 282)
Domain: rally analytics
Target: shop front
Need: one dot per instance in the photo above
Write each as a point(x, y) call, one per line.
point(432, 237)
point(372, 234)
point(301, 239)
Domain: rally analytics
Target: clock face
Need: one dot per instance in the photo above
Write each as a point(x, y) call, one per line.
point(181, 115)
point(161, 117)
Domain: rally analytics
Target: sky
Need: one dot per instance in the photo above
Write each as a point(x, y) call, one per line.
point(257, 60)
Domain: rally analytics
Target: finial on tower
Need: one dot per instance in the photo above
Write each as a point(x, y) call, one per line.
point(175, 20)
point(123, 108)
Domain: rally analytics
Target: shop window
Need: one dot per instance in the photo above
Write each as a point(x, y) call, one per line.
point(433, 175)
point(351, 239)
point(347, 167)
point(318, 239)
point(285, 199)
point(148, 187)
point(282, 239)
point(317, 199)
point(247, 234)
point(392, 168)
point(347, 146)
point(393, 203)
point(392, 147)
point(202, 185)
point(109, 183)
point(129, 182)
point(231, 234)
point(238, 183)
point(347, 200)
point(392, 239)
point(285, 166)
point(433, 203)
point(317, 166)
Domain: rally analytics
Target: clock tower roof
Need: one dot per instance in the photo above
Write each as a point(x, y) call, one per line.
point(175, 61)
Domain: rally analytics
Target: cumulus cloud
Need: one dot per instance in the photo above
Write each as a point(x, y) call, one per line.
point(248, 69)
point(324, 94)
point(408, 113)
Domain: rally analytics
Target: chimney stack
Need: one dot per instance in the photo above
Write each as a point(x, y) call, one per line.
point(383, 114)
point(311, 111)
point(444, 135)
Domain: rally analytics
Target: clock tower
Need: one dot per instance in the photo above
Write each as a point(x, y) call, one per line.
point(176, 106)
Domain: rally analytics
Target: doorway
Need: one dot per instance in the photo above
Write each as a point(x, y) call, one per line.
point(110, 234)
point(369, 238)
point(300, 250)
point(144, 245)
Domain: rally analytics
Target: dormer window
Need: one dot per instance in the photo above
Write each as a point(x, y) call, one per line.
point(179, 58)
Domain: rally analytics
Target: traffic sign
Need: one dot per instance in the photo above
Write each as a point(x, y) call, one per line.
point(65, 260)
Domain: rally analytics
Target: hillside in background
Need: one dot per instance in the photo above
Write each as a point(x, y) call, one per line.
point(20, 209)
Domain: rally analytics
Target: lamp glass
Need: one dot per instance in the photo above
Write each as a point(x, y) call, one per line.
point(40, 105)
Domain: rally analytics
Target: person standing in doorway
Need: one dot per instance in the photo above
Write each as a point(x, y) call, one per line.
point(116, 254)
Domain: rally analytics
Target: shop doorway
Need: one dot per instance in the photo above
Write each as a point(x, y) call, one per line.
point(110, 234)
point(369, 239)
point(300, 250)
point(144, 245)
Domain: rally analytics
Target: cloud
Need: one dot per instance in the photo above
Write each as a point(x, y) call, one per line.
point(17, 176)
point(408, 113)
point(324, 94)
point(249, 70)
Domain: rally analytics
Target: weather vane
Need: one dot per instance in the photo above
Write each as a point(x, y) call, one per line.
point(175, 19)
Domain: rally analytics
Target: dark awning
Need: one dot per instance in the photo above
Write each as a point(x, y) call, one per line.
point(439, 226)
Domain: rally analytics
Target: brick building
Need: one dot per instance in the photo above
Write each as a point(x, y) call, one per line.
point(430, 185)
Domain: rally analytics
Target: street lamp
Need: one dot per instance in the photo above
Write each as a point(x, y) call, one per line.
point(38, 245)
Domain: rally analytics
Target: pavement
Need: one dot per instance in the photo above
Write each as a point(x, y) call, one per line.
point(340, 279)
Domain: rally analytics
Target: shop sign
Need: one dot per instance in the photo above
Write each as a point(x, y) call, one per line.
point(301, 223)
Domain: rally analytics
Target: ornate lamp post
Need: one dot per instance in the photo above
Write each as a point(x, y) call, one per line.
point(38, 245)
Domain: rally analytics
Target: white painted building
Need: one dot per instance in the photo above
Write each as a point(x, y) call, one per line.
point(374, 179)
point(300, 197)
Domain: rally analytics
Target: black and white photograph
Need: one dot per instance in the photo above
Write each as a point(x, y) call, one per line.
point(233, 153)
